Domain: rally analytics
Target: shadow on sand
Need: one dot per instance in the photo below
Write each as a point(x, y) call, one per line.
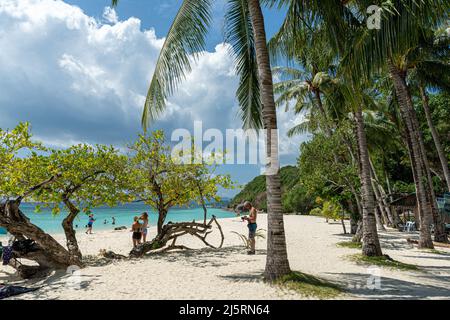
point(207, 257)
point(392, 289)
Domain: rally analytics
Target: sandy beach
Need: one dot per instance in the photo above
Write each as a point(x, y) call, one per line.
point(230, 274)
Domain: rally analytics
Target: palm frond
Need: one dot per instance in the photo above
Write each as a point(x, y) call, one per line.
point(184, 42)
point(239, 33)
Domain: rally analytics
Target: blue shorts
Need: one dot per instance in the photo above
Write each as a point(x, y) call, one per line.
point(252, 230)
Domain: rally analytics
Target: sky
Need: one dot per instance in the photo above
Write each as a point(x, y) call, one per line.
point(78, 71)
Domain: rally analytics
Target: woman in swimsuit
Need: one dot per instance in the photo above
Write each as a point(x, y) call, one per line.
point(144, 219)
point(136, 228)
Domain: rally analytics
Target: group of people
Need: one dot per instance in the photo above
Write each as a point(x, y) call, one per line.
point(140, 225)
point(140, 229)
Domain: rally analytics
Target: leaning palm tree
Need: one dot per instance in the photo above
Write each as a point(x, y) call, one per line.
point(429, 65)
point(405, 28)
point(245, 32)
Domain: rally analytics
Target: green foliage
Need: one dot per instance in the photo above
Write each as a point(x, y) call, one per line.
point(153, 176)
point(159, 179)
point(86, 176)
point(16, 175)
point(440, 113)
point(309, 285)
point(297, 200)
point(260, 233)
point(350, 244)
point(89, 176)
point(82, 177)
point(255, 190)
point(383, 261)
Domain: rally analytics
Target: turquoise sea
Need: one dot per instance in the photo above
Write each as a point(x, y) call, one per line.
point(123, 214)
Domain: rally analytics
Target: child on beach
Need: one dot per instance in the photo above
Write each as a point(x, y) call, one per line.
point(144, 219)
point(136, 228)
point(90, 224)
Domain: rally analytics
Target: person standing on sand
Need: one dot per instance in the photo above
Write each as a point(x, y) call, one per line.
point(136, 228)
point(252, 226)
point(144, 219)
point(90, 224)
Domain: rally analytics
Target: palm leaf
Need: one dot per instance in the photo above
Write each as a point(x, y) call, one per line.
point(184, 42)
point(239, 33)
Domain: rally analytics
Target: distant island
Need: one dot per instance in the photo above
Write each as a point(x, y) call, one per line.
point(292, 199)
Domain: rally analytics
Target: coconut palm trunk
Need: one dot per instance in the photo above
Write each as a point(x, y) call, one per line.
point(277, 263)
point(413, 140)
point(436, 139)
point(371, 243)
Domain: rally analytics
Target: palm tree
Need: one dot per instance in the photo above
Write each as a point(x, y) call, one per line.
point(338, 24)
point(429, 63)
point(368, 51)
point(245, 31)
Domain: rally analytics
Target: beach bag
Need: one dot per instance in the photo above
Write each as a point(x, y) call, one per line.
point(25, 246)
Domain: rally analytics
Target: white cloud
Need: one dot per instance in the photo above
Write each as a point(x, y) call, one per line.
point(110, 15)
point(78, 79)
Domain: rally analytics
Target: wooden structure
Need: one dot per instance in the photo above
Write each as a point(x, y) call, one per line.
point(405, 205)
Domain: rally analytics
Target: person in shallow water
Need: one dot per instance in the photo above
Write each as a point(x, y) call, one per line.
point(136, 228)
point(252, 226)
point(90, 224)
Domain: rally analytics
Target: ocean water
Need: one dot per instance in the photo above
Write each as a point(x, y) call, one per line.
point(123, 214)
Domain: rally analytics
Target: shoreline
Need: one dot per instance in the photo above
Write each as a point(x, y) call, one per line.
point(221, 274)
point(100, 226)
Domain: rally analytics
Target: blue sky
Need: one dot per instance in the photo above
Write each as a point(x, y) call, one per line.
point(79, 71)
point(158, 14)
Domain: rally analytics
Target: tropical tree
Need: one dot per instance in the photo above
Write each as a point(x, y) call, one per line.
point(205, 183)
point(88, 177)
point(155, 178)
point(366, 51)
point(429, 66)
point(245, 31)
point(80, 177)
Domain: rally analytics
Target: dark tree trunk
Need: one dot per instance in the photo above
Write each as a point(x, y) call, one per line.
point(76, 257)
point(424, 187)
point(437, 141)
point(359, 232)
point(371, 243)
point(277, 263)
point(50, 255)
point(390, 218)
point(353, 214)
point(162, 214)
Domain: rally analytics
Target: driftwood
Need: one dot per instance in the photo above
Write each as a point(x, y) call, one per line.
point(111, 255)
point(172, 231)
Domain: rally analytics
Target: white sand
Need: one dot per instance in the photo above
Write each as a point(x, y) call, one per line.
point(230, 274)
